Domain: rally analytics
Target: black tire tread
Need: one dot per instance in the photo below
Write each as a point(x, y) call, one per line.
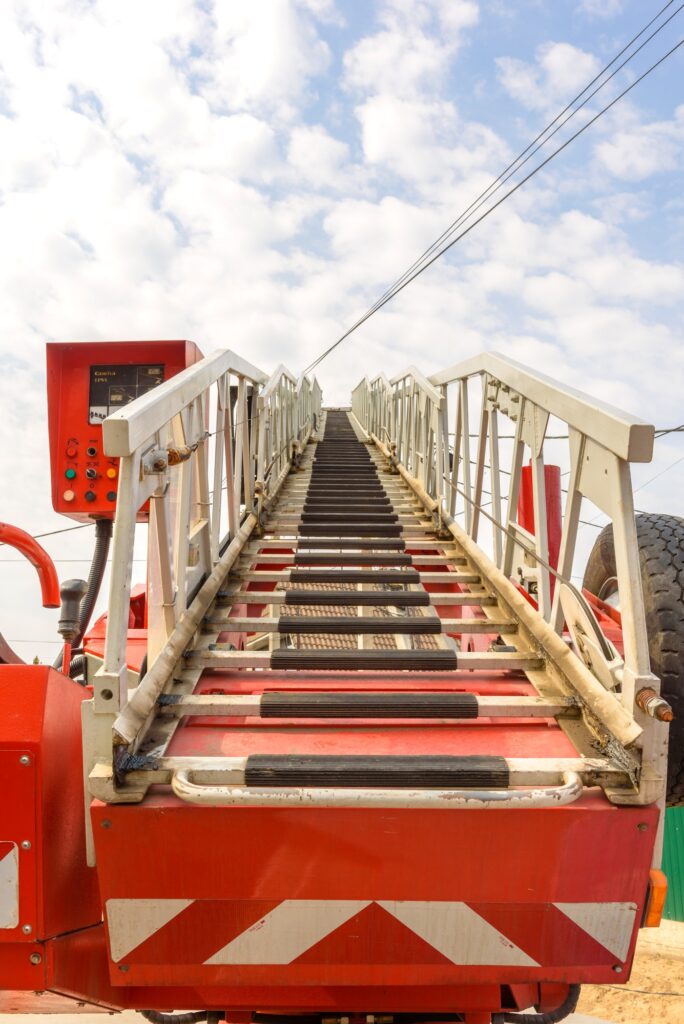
point(661, 556)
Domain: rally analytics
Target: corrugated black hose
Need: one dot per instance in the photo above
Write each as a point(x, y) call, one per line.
point(553, 1016)
point(103, 536)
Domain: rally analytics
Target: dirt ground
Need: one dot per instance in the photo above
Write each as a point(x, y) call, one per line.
point(658, 968)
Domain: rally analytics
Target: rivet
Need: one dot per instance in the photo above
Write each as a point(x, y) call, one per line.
point(618, 968)
point(642, 826)
point(25, 844)
point(26, 929)
point(36, 958)
point(24, 759)
point(106, 823)
point(124, 968)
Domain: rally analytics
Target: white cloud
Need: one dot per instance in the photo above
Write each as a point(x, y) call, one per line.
point(316, 155)
point(636, 152)
point(559, 72)
point(261, 56)
point(600, 8)
point(413, 49)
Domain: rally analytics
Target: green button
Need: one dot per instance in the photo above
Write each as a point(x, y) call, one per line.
point(70, 474)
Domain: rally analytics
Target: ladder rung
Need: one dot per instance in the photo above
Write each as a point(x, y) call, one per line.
point(389, 597)
point(231, 770)
point(380, 661)
point(358, 624)
point(331, 704)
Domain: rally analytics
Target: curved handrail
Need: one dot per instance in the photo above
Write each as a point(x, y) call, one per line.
point(39, 559)
point(472, 799)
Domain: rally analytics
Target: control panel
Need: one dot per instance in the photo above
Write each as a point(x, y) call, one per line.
point(87, 382)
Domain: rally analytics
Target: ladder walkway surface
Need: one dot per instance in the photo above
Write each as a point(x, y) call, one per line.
point(352, 646)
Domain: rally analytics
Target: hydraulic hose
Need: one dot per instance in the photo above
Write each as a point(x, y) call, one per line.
point(553, 1016)
point(77, 667)
point(103, 536)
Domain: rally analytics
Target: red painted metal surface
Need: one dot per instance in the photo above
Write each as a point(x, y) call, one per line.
point(509, 868)
point(39, 559)
point(75, 443)
point(43, 810)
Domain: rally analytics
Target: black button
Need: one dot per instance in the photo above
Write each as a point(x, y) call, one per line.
point(90, 496)
point(111, 495)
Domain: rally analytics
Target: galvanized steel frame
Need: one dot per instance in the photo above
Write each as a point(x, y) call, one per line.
point(409, 419)
point(197, 526)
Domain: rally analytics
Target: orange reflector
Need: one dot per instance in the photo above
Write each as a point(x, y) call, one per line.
point(657, 891)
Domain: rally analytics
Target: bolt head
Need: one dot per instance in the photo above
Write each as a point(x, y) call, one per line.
point(642, 826)
point(618, 968)
point(26, 929)
point(24, 759)
point(26, 844)
point(106, 823)
point(36, 958)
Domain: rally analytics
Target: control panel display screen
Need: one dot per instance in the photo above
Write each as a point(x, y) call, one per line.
point(113, 387)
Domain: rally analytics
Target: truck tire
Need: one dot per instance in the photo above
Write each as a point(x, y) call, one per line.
point(661, 555)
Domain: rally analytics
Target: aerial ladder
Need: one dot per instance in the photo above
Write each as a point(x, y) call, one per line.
point(359, 749)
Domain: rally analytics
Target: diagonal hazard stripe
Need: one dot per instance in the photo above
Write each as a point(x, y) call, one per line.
point(130, 922)
point(194, 934)
point(611, 924)
point(459, 932)
point(9, 885)
point(372, 937)
point(291, 928)
point(546, 933)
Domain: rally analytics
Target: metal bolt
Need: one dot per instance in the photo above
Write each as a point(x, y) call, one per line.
point(642, 826)
point(26, 929)
point(25, 844)
point(124, 968)
point(617, 968)
point(36, 958)
point(106, 823)
point(24, 759)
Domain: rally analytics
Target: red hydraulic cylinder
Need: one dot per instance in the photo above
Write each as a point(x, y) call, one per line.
point(554, 515)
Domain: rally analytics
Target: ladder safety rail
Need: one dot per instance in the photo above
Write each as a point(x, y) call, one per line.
point(466, 471)
point(209, 450)
point(184, 786)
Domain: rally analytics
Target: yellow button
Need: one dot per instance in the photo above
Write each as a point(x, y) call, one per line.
point(68, 495)
point(111, 472)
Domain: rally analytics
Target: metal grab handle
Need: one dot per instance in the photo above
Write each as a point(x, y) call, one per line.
point(472, 799)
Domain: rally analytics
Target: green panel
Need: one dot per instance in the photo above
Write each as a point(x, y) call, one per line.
point(673, 863)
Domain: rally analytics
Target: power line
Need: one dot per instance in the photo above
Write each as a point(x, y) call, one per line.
point(536, 144)
point(395, 291)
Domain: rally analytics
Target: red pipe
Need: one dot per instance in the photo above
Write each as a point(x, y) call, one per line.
point(39, 559)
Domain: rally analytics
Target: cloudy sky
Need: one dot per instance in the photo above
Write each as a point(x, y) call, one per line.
point(253, 174)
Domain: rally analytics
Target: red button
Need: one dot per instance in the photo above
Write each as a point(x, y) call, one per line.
point(72, 452)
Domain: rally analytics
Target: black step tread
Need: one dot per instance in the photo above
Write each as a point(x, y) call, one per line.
point(349, 517)
point(352, 529)
point(289, 704)
point(438, 771)
point(350, 661)
point(372, 558)
point(345, 598)
point(354, 624)
point(363, 544)
point(354, 576)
